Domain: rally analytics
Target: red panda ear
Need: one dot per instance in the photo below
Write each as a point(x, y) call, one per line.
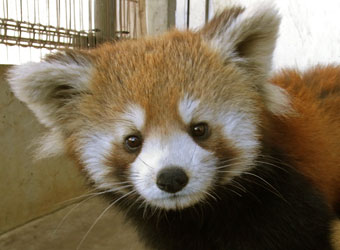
point(52, 89)
point(52, 86)
point(246, 36)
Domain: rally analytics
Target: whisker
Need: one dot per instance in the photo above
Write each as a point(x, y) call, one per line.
point(210, 195)
point(135, 201)
point(272, 188)
point(89, 196)
point(238, 194)
point(99, 217)
point(153, 211)
point(144, 162)
point(262, 179)
point(192, 157)
point(221, 168)
point(238, 185)
point(215, 194)
point(145, 209)
point(78, 197)
point(271, 165)
point(72, 209)
point(276, 160)
point(159, 214)
point(142, 203)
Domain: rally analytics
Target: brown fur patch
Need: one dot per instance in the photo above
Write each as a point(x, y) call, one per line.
point(120, 160)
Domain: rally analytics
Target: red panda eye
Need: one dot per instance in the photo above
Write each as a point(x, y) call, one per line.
point(133, 143)
point(200, 130)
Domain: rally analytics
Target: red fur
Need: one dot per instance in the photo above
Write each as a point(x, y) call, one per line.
point(312, 136)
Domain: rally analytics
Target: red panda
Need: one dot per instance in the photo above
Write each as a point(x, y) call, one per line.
point(188, 136)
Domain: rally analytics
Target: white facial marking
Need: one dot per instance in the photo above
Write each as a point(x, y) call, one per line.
point(94, 151)
point(96, 147)
point(241, 130)
point(238, 127)
point(177, 150)
point(187, 107)
point(136, 115)
point(132, 119)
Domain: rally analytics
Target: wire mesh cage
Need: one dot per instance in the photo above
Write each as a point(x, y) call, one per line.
point(29, 29)
point(36, 27)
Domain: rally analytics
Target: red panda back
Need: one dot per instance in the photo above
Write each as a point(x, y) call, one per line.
point(312, 137)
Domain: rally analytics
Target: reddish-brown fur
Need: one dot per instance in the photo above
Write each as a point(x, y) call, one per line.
point(312, 136)
point(116, 63)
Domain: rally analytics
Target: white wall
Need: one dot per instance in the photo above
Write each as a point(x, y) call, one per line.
point(156, 16)
point(309, 33)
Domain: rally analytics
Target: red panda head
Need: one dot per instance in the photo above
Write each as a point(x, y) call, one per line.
point(166, 118)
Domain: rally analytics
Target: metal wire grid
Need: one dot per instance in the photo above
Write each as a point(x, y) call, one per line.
point(55, 24)
point(27, 34)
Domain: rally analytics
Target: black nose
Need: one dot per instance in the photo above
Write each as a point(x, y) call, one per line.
point(172, 179)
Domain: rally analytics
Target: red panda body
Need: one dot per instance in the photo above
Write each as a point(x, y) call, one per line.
point(312, 137)
point(186, 134)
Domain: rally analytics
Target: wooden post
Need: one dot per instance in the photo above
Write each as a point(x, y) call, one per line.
point(171, 13)
point(142, 17)
point(105, 20)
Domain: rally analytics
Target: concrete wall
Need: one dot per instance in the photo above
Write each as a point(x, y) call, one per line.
point(28, 189)
point(309, 31)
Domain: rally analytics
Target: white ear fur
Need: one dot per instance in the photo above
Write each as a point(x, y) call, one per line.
point(48, 86)
point(48, 145)
point(277, 100)
point(50, 89)
point(246, 36)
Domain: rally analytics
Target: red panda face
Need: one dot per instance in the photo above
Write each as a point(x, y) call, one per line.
point(166, 118)
point(174, 163)
point(170, 135)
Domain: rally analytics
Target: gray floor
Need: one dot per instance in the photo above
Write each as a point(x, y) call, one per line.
point(48, 233)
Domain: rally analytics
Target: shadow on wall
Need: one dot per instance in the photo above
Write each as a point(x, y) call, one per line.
point(28, 189)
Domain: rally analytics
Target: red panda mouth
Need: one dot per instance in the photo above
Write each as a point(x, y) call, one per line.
point(178, 201)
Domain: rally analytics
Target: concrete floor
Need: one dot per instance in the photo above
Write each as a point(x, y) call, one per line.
point(48, 233)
